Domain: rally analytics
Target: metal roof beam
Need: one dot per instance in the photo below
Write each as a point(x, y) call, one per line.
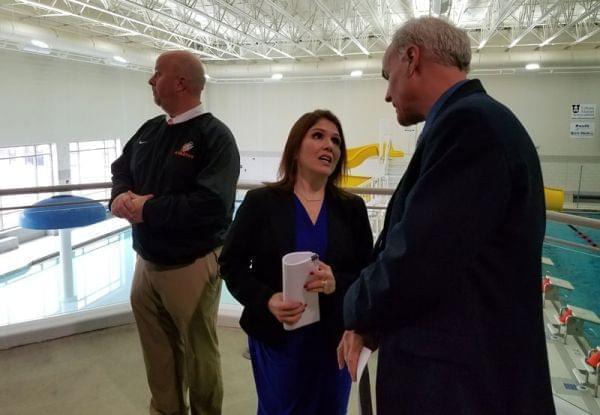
point(302, 27)
point(341, 27)
point(541, 19)
point(236, 10)
point(494, 16)
point(213, 19)
point(376, 21)
point(584, 37)
point(589, 12)
point(157, 13)
point(118, 28)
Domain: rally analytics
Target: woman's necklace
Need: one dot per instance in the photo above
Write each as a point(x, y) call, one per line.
point(306, 199)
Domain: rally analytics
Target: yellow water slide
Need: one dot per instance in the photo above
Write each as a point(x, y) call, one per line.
point(357, 155)
point(393, 153)
point(555, 198)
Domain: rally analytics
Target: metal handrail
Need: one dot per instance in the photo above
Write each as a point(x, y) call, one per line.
point(573, 219)
point(242, 185)
point(248, 185)
point(54, 189)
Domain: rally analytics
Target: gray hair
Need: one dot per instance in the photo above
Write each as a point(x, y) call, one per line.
point(440, 40)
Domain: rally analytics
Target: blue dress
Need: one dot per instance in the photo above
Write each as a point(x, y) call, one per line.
point(299, 376)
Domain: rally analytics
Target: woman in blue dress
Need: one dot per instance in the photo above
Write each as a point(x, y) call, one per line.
point(296, 372)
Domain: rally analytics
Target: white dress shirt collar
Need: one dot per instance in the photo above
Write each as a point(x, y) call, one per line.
point(188, 115)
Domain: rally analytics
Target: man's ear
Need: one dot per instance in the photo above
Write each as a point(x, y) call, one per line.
point(181, 83)
point(413, 55)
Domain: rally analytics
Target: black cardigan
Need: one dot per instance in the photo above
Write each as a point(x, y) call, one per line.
point(264, 231)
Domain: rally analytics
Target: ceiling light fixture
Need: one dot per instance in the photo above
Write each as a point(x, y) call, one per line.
point(277, 76)
point(356, 73)
point(120, 59)
point(39, 44)
point(532, 66)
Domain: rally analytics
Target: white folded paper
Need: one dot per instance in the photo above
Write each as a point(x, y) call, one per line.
point(363, 359)
point(296, 268)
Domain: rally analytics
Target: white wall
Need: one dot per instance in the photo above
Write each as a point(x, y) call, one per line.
point(261, 114)
point(52, 100)
point(543, 104)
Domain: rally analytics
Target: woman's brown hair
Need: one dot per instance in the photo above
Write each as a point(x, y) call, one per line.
point(288, 167)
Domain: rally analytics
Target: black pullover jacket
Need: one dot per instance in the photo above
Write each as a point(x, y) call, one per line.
point(192, 170)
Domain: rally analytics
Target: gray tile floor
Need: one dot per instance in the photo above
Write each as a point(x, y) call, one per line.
point(102, 372)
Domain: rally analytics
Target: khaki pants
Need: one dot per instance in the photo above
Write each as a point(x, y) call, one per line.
point(175, 310)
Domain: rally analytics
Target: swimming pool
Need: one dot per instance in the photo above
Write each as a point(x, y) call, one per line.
point(103, 271)
point(581, 267)
point(102, 274)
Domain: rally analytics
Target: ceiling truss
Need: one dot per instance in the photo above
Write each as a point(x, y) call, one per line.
point(295, 30)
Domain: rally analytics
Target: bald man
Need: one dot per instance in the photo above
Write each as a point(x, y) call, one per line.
point(175, 183)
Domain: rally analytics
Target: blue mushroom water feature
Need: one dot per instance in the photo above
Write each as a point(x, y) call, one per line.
point(64, 212)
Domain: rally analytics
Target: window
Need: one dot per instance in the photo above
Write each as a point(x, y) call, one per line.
point(25, 166)
point(90, 163)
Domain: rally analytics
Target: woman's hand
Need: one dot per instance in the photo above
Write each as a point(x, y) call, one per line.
point(321, 280)
point(286, 312)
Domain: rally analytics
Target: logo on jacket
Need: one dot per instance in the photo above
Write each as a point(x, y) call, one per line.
point(184, 151)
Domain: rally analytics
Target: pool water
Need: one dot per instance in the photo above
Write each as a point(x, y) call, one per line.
point(102, 274)
point(579, 266)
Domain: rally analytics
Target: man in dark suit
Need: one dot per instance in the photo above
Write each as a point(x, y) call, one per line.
point(453, 295)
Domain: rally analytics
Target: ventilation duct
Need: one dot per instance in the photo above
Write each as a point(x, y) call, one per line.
point(64, 45)
point(81, 48)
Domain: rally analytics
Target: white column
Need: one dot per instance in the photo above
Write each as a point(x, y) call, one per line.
point(66, 260)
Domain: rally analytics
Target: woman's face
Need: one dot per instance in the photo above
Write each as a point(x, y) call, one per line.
point(320, 149)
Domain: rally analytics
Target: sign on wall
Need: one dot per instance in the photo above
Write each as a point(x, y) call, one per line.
point(583, 120)
point(582, 129)
point(583, 111)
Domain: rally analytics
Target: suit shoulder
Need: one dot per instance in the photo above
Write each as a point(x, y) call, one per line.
point(484, 106)
point(349, 201)
point(347, 196)
point(359, 203)
point(491, 125)
point(263, 194)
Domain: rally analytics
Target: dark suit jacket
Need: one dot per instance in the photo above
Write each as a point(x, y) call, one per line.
point(264, 231)
point(454, 290)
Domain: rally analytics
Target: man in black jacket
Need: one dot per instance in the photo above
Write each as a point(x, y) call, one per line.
point(175, 182)
point(453, 295)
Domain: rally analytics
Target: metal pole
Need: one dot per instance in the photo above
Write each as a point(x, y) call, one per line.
point(66, 260)
point(579, 187)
